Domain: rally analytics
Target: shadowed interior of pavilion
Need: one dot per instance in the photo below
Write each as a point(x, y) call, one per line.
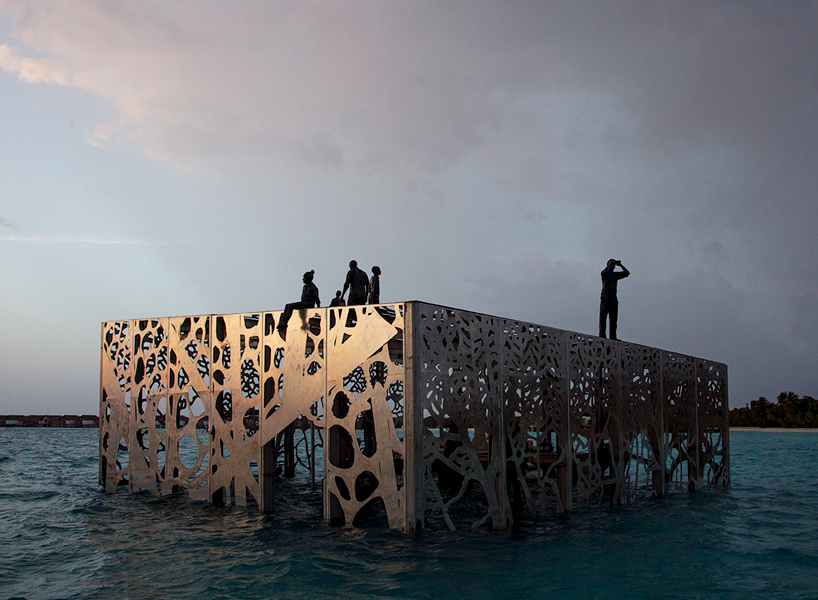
point(411, 414)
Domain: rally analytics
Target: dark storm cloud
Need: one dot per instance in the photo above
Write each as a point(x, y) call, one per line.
point(494, 153)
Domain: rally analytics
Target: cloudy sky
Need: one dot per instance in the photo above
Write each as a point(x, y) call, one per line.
point(179, 158)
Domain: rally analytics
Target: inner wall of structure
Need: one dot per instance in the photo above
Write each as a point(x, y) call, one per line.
point(505, 421)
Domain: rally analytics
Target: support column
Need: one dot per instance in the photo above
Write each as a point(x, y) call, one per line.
point(289, 450)
point(693, 442)
point(312, 455)
point(268, 476)
point(726, 431)
point(333, 509)
point(566, 480)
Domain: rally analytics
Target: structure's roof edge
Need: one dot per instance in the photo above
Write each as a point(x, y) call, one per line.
point(569, 331)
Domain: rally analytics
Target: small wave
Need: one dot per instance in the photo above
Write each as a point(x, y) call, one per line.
point(29, 496)
point(791, 556)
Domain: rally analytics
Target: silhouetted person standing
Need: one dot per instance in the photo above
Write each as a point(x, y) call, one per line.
point(358, 285)
point(608, 303)
point(309, 299)
point(375, 286)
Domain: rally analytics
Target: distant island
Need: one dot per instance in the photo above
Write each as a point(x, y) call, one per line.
point(49, 421)
point(790, 411)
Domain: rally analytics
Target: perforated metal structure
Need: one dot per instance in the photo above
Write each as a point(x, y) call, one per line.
point(441, 417)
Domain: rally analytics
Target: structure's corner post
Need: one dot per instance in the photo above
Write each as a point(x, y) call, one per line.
point(103, 463)
point(114, 404)
point(413, 419)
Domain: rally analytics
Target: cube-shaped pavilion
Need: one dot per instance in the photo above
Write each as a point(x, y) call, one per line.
point(433, 416)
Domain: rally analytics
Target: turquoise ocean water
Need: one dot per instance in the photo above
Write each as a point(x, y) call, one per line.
point(61, 538)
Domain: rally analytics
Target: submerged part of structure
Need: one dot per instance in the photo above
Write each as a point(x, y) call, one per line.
point(439, 416)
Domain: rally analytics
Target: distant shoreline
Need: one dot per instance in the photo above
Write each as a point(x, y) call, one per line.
point(78, 421)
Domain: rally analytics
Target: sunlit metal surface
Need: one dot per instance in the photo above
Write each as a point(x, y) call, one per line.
point(503, 419)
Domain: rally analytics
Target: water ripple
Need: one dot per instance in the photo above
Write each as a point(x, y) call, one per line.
point(65, 539)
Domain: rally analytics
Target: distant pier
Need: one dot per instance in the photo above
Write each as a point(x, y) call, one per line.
point(429, 416)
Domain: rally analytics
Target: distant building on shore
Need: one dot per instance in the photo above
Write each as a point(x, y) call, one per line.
point(49, 421)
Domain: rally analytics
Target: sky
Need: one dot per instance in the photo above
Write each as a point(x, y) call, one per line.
point(162, 159)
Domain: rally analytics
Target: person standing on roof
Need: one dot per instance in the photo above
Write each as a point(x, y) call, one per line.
point(358, 285)
point(337, 301)
point(608, 302)
point(375, 286)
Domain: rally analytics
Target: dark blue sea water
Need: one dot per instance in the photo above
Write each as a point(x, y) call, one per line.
point(61, 538)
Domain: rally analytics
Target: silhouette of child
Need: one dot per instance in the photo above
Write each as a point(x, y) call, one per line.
point(375, 286)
